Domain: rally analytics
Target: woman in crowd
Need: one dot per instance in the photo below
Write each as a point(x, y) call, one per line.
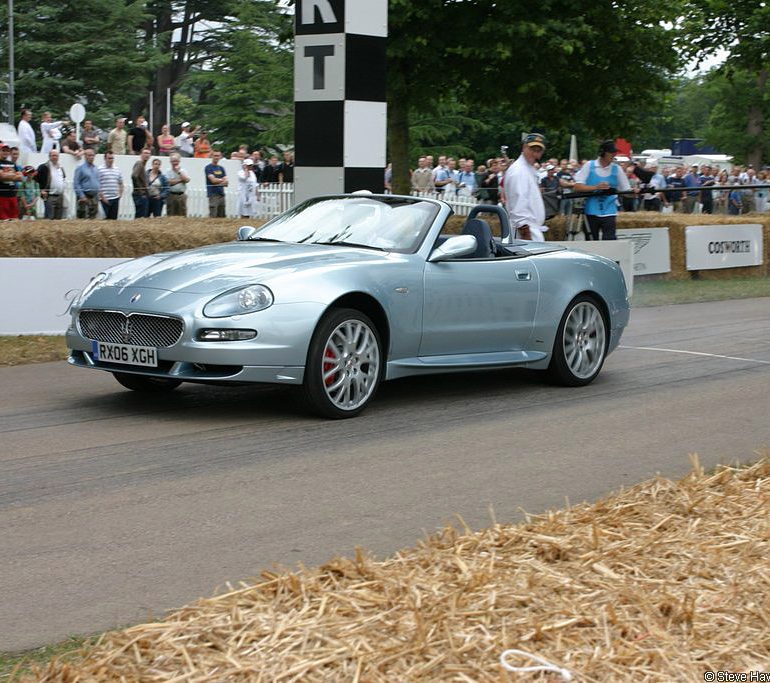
point(720, 196)
point(157, 188)
point(202, 146)
point(166, 141)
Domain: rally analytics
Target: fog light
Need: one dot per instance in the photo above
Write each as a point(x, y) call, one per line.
point(226, 335)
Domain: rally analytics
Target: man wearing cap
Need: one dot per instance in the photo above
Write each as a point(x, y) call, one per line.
point(654, 201)
point(9, 176)
point(176, 202)
point(521, 188)
point(185, 140)
point(599, 175)
point(247, 189)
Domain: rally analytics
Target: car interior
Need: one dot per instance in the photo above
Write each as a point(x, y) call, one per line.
point(488, 245)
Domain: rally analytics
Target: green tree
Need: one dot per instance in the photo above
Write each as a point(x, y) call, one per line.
point(88, 51)
point(244, 90)
point(604, 62)
point(741, 28)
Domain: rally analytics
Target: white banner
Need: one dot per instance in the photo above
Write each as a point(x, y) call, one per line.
point(723, 246)
point(652, 249)
point(33, 291)
point(620, 251)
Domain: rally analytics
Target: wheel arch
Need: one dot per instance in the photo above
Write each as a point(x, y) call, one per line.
point(603, 307)
point(367, 304)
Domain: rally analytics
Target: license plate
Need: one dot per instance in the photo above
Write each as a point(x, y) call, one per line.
point(145, 356)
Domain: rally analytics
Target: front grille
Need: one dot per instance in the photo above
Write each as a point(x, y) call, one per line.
point(135, 329)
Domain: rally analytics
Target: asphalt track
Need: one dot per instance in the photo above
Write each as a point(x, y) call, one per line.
point(115, 508)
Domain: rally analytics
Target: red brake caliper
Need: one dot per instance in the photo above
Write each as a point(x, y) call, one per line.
point(328, 366)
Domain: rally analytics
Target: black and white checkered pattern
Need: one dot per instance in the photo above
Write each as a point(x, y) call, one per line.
point(339, 93)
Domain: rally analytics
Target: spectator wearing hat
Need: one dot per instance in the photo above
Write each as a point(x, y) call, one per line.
point(176, 201)
point(28, 194)
point(51, 177)
point(247, 189)
point(599, 175)
point(186, 138)
point(26, 132)
point(521, 188)
point(9, 177)
point(118, 136)
point(549, 182)
point(86, 186)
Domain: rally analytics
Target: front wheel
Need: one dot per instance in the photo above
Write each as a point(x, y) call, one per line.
point(581, 344)
point(344, 364)
point(146, 385)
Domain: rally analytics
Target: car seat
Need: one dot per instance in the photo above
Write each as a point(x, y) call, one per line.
point(485, 245)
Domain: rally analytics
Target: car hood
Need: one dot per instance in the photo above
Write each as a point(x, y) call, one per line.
point(221, 267)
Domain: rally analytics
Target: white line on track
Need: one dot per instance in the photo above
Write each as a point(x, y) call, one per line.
point(695, 353)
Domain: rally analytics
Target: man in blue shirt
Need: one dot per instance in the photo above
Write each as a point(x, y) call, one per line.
point(692, 179)
point(216, 182)
point(86, 186)
point(466, 180)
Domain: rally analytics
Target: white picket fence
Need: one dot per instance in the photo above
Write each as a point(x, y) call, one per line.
point(274, 199)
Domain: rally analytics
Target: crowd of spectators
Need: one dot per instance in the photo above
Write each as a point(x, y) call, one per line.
point(152, 188)
point(676, 189)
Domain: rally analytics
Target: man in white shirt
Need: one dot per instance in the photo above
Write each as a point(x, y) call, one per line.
point(27, 141)
point(186, 139)
point(521, 188)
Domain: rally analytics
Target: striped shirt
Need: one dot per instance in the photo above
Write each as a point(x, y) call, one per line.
point(110, 182)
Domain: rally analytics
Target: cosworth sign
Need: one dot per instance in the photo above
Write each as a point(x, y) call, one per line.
point(723, 246)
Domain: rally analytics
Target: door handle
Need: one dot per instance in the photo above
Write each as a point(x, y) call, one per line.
point(523, 275)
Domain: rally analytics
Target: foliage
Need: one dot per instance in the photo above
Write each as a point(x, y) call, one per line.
point(741, 29)
point(88, 51)
point(548, 64)
point(244, 90)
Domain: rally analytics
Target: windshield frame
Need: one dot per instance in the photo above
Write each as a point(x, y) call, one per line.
point(271, 229)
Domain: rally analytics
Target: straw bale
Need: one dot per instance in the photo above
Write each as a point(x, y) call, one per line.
point(660, 582)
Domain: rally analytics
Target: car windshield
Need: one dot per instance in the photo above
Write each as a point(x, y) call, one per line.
point(388, 223)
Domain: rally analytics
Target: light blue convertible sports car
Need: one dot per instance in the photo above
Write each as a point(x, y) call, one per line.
point(342, 292)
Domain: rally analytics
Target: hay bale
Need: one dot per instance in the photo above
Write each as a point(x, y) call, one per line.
point(661, 582)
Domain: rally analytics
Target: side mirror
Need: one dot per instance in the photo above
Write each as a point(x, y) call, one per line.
point(245, 232)
point(454, 247)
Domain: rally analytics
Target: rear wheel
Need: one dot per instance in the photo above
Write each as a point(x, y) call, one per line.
point(344, 364)
point(581, 343)
point(146, 385)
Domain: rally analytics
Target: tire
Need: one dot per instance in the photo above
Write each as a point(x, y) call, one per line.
point(580, 346)
point(146, 385)
point(344, 365)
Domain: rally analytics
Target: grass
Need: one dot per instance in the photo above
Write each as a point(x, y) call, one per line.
point(41, 349)
point(20, 663)
point(664, 292)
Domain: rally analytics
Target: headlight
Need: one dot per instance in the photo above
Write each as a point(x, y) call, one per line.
point(89, 288)
point(245, 300)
